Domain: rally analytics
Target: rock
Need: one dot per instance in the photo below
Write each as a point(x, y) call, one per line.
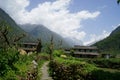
point(63, 56)
point(22, 52)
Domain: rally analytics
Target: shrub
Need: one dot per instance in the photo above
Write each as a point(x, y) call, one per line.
point(105, 75)
point(7, 58)
point(65, 69)
point(113, 63)
point(77, 69)
point(10, 75)
point(58, 53)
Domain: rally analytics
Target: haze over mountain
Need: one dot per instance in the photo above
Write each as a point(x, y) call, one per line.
point(40, 31)
point(32, 32)
point(111, 44)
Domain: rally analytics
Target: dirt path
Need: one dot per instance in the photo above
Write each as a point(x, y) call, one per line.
point(45, 74)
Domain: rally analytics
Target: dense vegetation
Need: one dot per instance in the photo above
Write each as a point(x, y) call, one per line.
point(14, 66)
point(112, 63)
point(69, 68)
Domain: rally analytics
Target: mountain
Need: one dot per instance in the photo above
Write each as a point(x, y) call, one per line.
point(14, 29)
point(32, 32)
point(111, 44)
point(117, 30)
point(40, 31)
point(73, 42)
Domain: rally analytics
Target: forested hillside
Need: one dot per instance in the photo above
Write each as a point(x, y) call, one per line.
point(111, 44)
point(14, 30)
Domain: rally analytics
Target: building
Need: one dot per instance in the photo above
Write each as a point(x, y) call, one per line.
point(84, 51)
point(28, 47)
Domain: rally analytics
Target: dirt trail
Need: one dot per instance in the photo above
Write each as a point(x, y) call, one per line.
point(45, 74)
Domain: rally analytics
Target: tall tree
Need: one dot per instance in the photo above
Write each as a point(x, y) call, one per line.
point(39, 46)
point(51, 47)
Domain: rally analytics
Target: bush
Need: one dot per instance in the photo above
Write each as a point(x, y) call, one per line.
point(10, 75)
point(113, 63)
point(7, 58)
point(76, 69)
point(58, 53)
point(43, 56)
point(63, 69)
point(105, 75)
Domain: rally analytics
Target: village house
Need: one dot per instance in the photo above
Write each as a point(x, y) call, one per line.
point(28, 47)
point(83, 51)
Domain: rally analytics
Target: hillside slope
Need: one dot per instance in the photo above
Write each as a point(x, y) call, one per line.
point(15, 30)
point(117, 30)
point(111, 44)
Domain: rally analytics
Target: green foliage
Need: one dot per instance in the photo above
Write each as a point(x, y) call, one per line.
point(23, 64)
point(74, 69)
point(118, 1)
point(110, 45)
point(7, 58)
point(68, 69)
point(43, 56)
point(105, 75)
point(113, 63)
point(14, 66)
point(39, 46)
point(57, 53)
point(10, 75)
point(4, 29)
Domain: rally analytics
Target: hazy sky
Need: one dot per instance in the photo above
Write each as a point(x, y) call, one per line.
point(81, 20)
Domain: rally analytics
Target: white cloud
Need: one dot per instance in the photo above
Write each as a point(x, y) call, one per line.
point(114, 27)
point(95, 38)
point(54, 15)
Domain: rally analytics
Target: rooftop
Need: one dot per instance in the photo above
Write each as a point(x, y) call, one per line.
point(84, 47)
point(29, 43)
point(88, 53)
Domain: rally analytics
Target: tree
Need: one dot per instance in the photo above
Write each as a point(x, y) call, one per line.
point(4, 35)
point(118, 1)
point(39, 46)
point(4, 29)
point(17, 38)
point(51, 47)
point(60, 44)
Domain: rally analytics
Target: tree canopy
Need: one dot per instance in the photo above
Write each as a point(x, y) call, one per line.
point(118, 1)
